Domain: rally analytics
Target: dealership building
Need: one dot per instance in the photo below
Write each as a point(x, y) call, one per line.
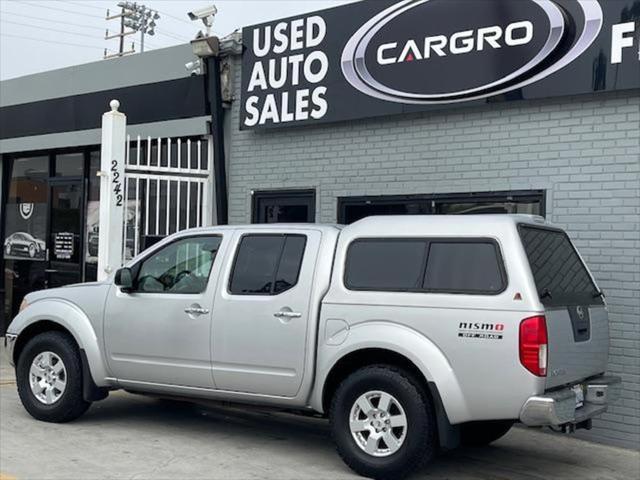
point(340, 114)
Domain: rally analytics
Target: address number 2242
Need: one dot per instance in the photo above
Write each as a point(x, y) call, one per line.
point(116, 182)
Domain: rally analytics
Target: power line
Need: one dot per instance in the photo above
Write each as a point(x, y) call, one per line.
point(51, 41)
point(49, 20)
point(81, 4)
point(23, 2)
point(172, 35)
point(50, 29)
point(174, 17)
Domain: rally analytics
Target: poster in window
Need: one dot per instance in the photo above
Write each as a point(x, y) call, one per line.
point(25, 231)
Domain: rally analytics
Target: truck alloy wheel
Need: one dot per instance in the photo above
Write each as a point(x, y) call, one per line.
point(47, 377)
point(383, 422)
point(378, 430)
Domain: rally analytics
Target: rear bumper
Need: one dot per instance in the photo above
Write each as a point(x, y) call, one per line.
point(559, 407)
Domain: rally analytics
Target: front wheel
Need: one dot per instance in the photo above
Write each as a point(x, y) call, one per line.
point(49, 378)
point(383, 423)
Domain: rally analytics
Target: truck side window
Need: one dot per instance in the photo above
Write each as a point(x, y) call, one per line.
point(267, 264)
point(464, 267)
point(180, 267)
point(385, 264)
point(425, 265)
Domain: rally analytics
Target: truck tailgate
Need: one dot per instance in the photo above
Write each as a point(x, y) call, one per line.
point(578, 343)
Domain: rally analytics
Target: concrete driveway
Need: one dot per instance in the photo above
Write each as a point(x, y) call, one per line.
point(135, 437)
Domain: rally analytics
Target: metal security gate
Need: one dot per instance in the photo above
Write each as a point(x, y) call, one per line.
point(167, 188)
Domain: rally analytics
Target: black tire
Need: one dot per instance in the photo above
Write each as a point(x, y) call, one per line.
point(419, 445)
point(480, 434)
point(71, 403)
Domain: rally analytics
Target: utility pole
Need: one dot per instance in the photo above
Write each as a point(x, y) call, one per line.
point(137, 18)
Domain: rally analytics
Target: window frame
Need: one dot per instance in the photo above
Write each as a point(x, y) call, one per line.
point(275, 273)
point(135, 268)
point(432, 202)
point(304, 195)
point(428, 241)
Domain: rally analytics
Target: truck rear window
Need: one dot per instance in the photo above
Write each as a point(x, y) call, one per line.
point(560, 276)
point(472, 266)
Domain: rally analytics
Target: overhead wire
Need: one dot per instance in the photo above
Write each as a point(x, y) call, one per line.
point(81, 4)
point(49, 29)
point(49, 7)
point(25, 37)
point(31, 17)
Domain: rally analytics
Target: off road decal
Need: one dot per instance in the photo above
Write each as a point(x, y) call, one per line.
point(489, 331)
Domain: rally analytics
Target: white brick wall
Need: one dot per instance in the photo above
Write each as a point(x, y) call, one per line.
point(584, 151)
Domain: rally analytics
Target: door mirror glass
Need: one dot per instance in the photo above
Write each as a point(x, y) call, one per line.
point(124, 279)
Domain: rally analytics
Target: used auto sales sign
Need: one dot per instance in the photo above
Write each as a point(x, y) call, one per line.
point(375, 58)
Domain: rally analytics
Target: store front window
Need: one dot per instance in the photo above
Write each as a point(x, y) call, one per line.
point(352, 209)
point(46, 223)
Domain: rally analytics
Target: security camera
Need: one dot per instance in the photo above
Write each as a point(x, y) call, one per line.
point(194, 67)
point(205, 14)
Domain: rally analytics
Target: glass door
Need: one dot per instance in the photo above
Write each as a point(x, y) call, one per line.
point(24, 251)
point(65, 233)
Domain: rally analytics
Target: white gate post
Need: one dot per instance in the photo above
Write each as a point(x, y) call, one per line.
point(112, 195)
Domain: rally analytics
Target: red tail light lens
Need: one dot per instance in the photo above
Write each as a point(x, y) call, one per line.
point(533, 345)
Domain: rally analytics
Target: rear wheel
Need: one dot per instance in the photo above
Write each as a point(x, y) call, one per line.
point(49, 378)
point(383, 423)
point(479, 434)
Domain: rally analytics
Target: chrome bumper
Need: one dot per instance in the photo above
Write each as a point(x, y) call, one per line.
point(9, 344)
point(559, 407)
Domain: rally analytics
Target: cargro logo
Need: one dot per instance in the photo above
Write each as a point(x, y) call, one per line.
point(444, 51)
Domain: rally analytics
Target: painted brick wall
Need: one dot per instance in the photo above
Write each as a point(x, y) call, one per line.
point(584, 151)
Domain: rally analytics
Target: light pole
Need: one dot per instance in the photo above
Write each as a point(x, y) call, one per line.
point(136, 17)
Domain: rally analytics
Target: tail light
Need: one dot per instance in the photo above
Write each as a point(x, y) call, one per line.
point(533, 345)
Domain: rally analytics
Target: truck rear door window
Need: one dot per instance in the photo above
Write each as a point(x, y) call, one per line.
point(560, 276)
point(464, 267)
point(267, 264)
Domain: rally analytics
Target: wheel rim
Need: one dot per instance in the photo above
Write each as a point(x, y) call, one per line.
point(378, 423)
point(47, 377)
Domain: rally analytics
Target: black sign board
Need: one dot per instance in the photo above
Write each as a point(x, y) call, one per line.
point(375, 58)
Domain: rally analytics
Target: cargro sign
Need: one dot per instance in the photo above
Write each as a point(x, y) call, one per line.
point(375, 58)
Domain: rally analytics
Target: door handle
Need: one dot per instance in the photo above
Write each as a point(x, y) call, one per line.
point(287, 315)
point(50, 270)
point(196, 310)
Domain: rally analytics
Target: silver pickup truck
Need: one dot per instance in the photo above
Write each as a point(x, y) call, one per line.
point(411, 334)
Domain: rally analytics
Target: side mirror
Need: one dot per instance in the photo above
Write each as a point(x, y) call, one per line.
point(124, 279)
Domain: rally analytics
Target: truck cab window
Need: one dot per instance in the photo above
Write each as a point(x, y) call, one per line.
point(181, 267)
point(267, 264)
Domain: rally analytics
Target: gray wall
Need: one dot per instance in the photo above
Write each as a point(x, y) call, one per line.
point(584, 151)
point(149, 67)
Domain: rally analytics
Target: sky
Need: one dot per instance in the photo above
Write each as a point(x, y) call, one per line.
point(41, 35)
